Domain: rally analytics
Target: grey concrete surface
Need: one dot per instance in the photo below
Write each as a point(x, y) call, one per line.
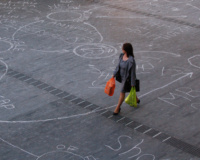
point(55, 59)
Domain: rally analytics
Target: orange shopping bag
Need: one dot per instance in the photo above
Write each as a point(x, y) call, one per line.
point(110, 87)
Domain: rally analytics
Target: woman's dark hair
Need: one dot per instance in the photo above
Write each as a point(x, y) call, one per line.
point(128, 48)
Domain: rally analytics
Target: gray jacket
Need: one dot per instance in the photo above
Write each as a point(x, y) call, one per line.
point(130, 74)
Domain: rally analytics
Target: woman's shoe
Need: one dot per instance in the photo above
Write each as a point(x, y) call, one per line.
point(114, 113)
point(138, 101)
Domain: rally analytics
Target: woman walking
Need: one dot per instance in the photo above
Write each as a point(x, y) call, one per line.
point(125, 73)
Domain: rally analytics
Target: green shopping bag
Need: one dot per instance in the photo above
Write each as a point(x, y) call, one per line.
point(131, 98)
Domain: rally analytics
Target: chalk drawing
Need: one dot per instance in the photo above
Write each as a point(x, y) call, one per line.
point(5, 103)
point(72, 148)
point(120, 17)
point(5, 16)
point(128, 2)
point(103, 76)
point(55, 51)
point(168, 34)
point(168, 84)
point(67, 155)
point(118, 140)
point(61, 13)
point(131, 17)
point(189, 92)
point(57, 154)
point(186, 94)
point(6, 68)
point(14, 146)
point(14, 7)
point(135, 150)
point(95, 30)
point(182, 1)
point(64, 16)
point(5, 45)
point(173, 97)
point(195, 61)
point(59, 118)
point(68, 35)
point(95, 51)
point(60, 146)
point(146, 64)
point(195, 106)
point(175, 9)
point(65, 1)
point(20, 28)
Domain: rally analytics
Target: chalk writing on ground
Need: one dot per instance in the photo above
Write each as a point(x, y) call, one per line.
point(6, 103)
point(183, 95)
point(103, 76)
point(67, 154)
point(7, 44)
point(127, 148)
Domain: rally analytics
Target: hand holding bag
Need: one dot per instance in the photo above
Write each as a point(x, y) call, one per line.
point(137, 85)
point(110, 87)
point(131, 98)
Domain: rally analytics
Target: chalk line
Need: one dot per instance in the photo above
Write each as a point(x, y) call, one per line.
point(19, 148)
point(11, 45)
point(173, 54)
point(184, 16)
point(6, 68)
point(156, 89)
point(189, 61)
point(13, 36)
point(178, 2)
point(58, 51)
point(95, 30)
point(63, 20)
point(119, 17)
point(188, 4)
point(59, 118)
point(44, 155)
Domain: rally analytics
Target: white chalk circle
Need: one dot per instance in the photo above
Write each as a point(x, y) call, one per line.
point(195, 61)
point(95, 51)
point(64, 16)
point(5, 45)
point(60, 155)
